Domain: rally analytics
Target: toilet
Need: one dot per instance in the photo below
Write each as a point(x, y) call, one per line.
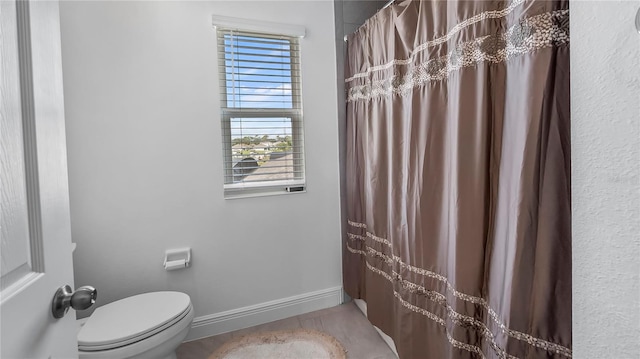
point(149, 325)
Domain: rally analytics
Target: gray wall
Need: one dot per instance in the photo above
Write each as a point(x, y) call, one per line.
point(356, 12)
point(145, 157)
point(605, 106)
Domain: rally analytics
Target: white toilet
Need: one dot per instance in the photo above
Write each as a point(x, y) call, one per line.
point(150, 325)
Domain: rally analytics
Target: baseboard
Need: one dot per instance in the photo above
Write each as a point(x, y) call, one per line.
point(246, 317)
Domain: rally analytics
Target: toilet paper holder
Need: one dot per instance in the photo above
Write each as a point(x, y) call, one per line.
point(177, 258)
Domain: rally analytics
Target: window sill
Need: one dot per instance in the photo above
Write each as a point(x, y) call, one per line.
point(234, 192)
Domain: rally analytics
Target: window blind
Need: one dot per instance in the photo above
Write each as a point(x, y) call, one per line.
point(261, 108)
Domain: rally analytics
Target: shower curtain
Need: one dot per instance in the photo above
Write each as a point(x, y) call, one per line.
point(458, 177)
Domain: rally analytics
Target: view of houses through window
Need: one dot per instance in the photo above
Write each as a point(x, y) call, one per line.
point(265, 155)
point(259, 147)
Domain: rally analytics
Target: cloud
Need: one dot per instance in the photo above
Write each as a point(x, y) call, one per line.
point(267, 96)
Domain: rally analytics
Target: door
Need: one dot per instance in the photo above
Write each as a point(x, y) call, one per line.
point(35, 228)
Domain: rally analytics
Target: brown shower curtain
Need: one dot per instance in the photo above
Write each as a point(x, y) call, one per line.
point(458, 177)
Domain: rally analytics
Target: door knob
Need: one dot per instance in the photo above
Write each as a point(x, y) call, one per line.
point(81, 299)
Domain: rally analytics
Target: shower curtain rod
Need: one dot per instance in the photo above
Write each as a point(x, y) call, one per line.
point(389, 3)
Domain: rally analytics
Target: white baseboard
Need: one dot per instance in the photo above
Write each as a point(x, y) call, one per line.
point(246, 317)
point(362, 305)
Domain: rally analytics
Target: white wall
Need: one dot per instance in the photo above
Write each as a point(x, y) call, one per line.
point(145, 160)
point(605, 105)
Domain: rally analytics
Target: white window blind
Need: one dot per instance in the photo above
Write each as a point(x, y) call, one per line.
point(261, 110)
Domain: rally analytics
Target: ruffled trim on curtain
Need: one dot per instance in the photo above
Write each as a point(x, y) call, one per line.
point(370, 253)
point(530, 34)
point(492, 14)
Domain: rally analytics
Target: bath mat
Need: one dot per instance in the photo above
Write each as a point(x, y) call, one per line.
point(286, 344)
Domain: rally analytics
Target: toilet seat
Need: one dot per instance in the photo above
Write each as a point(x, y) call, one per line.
point(132, 319)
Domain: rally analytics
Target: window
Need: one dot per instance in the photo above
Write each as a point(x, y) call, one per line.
point(261, 112)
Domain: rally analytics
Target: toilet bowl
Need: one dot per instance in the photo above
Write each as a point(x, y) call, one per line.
point(149, 325)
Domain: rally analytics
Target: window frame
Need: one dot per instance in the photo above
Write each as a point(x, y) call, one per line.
point(268, 187)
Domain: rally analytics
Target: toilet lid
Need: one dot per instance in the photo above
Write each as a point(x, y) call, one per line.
point(132, 319)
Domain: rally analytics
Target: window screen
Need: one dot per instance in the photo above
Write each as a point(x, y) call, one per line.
point(261, 109)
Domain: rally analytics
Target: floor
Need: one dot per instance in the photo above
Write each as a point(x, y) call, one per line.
point(345, 322)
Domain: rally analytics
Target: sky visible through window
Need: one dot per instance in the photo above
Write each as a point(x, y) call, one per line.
point(258, 76)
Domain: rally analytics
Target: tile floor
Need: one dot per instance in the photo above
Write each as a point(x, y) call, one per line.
point(345, 322)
